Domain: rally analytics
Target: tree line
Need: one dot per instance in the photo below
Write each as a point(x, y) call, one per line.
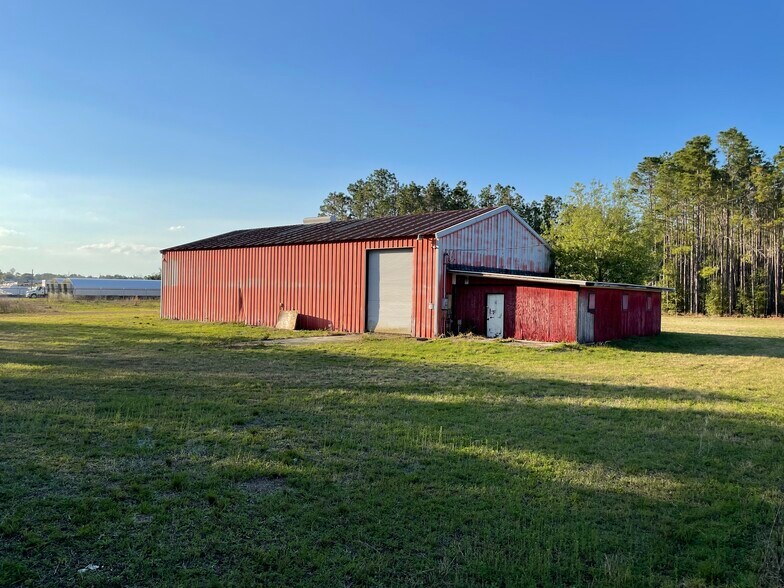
point(382, 194)
point(704, 220)
point(715, 218)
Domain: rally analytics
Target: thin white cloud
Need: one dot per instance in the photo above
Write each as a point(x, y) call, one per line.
point(94, 217)
point(176, 228)
point(17, 248)
point(6, 232)
point(119, 248)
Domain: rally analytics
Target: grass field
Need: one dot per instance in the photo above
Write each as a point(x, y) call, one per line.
point(167, 455)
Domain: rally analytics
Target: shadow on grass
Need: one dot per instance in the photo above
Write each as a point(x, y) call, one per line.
point(620, 426)
point(399, 471)
point(397, 477)
point(705, 344)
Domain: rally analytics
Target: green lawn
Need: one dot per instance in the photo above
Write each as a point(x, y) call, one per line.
point(164, 454)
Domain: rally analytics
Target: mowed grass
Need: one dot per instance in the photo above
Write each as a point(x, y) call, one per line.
point(166, 455)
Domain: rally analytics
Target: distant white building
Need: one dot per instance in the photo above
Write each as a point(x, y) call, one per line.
point(104, 288)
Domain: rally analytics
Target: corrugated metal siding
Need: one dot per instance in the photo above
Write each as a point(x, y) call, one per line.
point(499, 241)
point(325, 282)
point(612, 322)
point(534, 313)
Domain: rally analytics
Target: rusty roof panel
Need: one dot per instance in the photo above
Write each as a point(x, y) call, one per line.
point(388, 227)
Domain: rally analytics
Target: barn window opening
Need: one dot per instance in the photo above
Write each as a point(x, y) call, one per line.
point(625, 302)
point(649, 302)
point(592, 301)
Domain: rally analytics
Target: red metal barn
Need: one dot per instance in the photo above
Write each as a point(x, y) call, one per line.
point(395, 274)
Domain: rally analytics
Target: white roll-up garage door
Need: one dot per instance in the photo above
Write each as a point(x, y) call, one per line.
point(390, 290)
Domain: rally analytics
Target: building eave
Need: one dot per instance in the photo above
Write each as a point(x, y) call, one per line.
point(560, 281)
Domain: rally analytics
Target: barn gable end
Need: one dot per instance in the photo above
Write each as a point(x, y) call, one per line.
point(498, 239)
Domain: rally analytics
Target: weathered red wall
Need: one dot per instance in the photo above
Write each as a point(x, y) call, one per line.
point(535, 313)
point(549, 313)
point(612, 322)
point(546, 313)
point(324, 282)
point(469, 304)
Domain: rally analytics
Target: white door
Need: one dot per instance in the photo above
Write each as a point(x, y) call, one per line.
point(495, 316)
point(390, 291)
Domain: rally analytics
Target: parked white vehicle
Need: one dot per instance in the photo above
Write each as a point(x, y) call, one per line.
point(18, 291)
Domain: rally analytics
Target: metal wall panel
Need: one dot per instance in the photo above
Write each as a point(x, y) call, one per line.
point(500, 242)
point(612, 322)
point(546, 313)
point(324, 282)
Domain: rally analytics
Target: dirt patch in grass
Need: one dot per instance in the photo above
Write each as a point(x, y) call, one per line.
point(142, 519)
point(264, 485)
point(264, 421)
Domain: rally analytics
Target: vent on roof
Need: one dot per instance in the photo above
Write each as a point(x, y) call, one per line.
point(317, 220)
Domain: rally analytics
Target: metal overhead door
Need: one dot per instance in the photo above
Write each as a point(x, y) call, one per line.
point(390, 290)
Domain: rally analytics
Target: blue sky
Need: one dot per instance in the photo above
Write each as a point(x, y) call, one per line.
point(127, 127)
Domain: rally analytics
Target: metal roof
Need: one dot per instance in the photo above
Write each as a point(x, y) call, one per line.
point(560, 281)
point(388, 227)
point(115, 284)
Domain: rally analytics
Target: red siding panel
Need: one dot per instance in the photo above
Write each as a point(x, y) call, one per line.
point(546, 313)
point(470, 306)
point(612, 322)
point(534, 313)
point(324, 282)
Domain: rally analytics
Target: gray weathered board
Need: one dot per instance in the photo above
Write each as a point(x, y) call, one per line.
point(287, 319)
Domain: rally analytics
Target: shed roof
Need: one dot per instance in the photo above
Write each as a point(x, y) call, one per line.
point(557, 281)
point(388, 227)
